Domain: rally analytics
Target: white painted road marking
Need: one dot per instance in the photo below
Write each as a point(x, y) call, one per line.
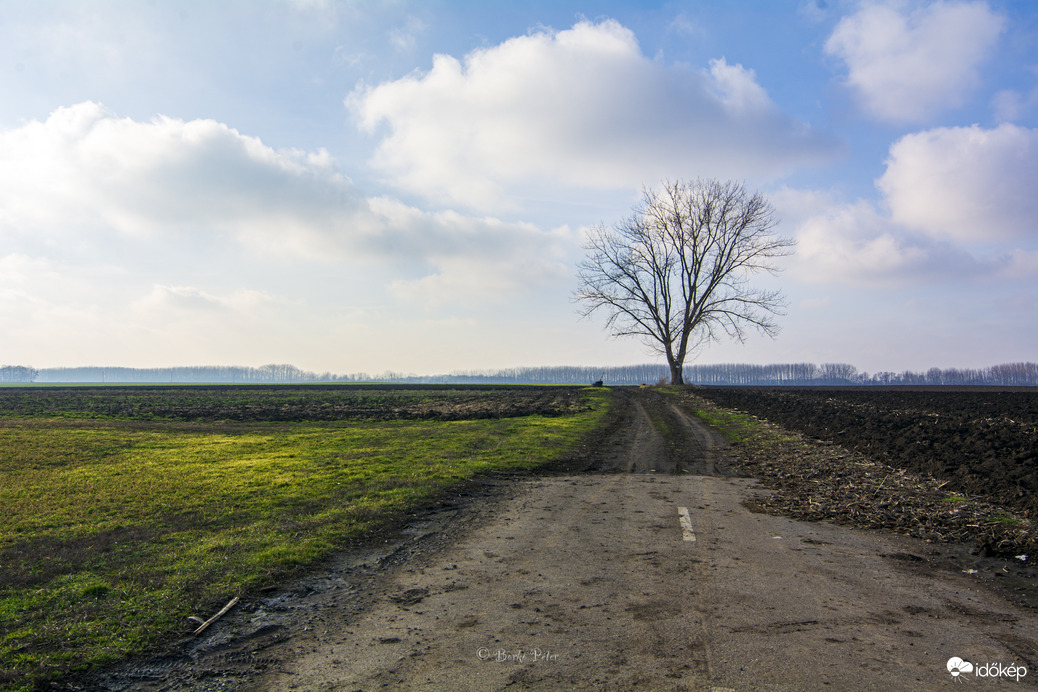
point(686, 525)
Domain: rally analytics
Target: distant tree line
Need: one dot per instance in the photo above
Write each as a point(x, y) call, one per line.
point(628, 374)
point(216, 374)
point(785, 374)
point(17, 373)
point(1007, 374)
point(728, 374)
point(806, 374)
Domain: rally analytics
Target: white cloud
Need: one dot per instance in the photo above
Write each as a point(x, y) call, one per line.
point(172, 242)
point(188, 300)
point(905, 64)
point(858, 244)
point(474, 280)
point(84, 167)
point(474, 260)
point(581, 107)
point(86, 181)
point(852, 243)
point(959, 205)
point(738, 89)
point(968, 184)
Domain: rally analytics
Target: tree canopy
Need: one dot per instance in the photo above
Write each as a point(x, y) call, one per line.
point(676, 273)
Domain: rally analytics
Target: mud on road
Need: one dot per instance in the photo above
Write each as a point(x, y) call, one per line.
point(635, 565)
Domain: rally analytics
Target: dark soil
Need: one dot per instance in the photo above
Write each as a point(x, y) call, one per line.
point(983, 442)
point(817, 480)
point(289, 403)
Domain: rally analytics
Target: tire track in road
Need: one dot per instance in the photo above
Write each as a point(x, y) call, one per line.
point(571, 588)
point(579, 582)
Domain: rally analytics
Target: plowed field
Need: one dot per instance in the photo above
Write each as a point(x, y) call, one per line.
point(290, 403)
point(984, 442)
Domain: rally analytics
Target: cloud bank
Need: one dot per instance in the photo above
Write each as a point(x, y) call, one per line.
point(172, 236)
point(87, 167)
point(958, 203)
point(581, 107)
point(967, 184)
point(907, 65)
point(89, 182)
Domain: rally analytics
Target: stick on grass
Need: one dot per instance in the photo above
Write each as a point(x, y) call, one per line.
point(214, 618)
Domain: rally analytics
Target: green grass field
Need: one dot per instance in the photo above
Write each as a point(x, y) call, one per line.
point(113, 532)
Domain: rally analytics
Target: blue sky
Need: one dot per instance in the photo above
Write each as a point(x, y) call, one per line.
point(364, 186)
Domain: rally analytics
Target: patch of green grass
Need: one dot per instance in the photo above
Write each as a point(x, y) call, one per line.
point(113, 533)
point(736, 427)
point(954, 499)
point(1009, 520)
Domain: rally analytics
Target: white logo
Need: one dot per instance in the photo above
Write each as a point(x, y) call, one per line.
point(956, 666)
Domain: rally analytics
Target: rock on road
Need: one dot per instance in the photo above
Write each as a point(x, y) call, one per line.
point(646, 572)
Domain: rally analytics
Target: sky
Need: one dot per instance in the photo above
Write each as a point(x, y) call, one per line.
point(358, 186)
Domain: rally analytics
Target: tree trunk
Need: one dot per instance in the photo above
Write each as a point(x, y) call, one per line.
point(675, 374)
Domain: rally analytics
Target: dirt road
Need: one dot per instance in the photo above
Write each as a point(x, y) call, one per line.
point(644, 572)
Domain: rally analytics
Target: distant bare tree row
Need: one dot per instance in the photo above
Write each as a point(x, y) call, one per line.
point(1005, 375)
point(1009, 374)
point(784, 374)
point(221, 374)
point(17, 373)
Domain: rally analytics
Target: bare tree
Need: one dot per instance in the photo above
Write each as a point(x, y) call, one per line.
point(676, 272)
